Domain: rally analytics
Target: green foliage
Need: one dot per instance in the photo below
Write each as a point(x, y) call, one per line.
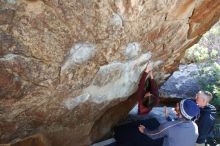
point(206, 54)
point(216, 91)
point(199, 53)
point(215, 30)
point(209, 79)
point(208, 75)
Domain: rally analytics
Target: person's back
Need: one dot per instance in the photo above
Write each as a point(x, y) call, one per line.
point(183, 133)
point(206, 123)
point(206, 119)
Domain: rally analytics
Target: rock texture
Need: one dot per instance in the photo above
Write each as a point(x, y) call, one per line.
point(67, 67)
point(183, 83)
point(34, 140)
point(188, 80)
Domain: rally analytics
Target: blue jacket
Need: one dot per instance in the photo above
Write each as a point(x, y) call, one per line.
point(175, 133)
point(206, 122)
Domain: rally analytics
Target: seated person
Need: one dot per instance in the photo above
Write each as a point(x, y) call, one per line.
point(129, 135)
point(181, 132)
point(147, 93)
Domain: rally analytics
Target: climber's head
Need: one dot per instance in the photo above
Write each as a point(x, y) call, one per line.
point(149, 100)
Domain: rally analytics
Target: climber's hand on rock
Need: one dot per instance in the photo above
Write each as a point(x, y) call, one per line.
point(149, 68)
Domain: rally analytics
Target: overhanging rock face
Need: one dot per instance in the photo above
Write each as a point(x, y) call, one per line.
point(67, 67)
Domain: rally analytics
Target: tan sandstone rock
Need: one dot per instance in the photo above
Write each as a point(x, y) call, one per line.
point(67, 67)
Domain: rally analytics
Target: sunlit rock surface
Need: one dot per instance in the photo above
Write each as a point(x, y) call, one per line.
point(183, 83)
point(67, 67)
point(186, 81)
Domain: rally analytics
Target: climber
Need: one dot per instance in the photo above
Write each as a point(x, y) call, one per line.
point(181, 132)
point(147, 93)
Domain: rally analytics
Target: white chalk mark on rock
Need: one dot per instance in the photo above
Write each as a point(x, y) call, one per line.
point(117, 80)
point(117, 20)
point(71, 103)
point(132, 50)
point(79, 54)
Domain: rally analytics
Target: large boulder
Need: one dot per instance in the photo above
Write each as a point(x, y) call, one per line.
point(67, 67)
point(183, 83)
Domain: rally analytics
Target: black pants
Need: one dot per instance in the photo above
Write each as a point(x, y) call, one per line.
point(129, 134)
point(211, 141)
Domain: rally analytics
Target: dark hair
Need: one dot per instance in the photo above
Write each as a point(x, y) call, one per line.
point(149, 101)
